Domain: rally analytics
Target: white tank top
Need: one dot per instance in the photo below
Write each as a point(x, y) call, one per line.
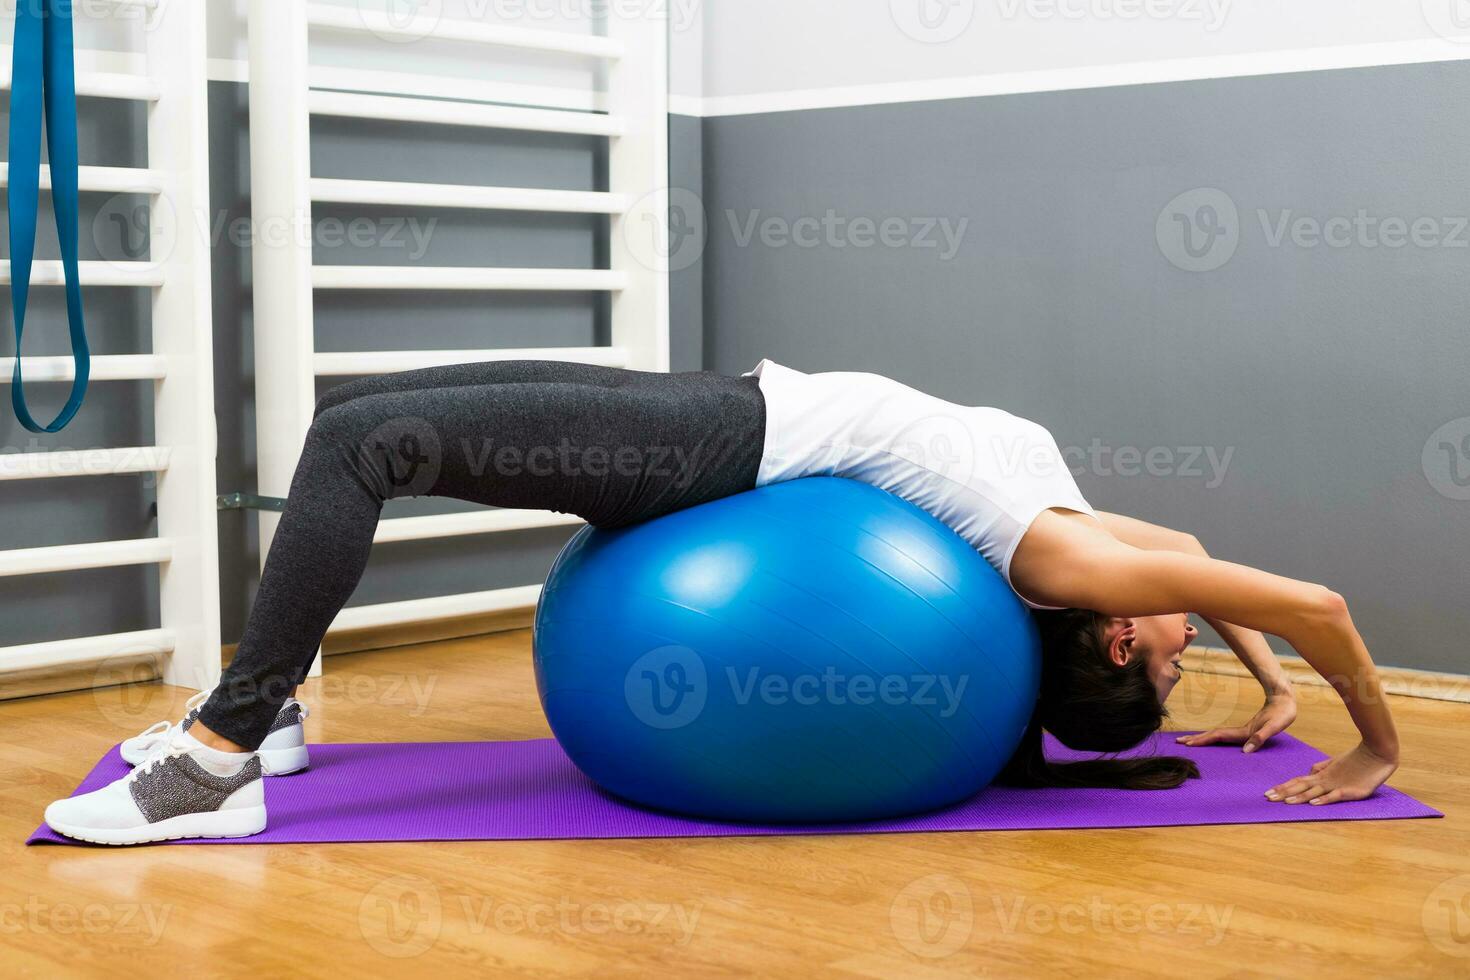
point(982, 471)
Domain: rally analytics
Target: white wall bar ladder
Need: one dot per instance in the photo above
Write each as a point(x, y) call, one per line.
point(186, 646)
point(282, 102)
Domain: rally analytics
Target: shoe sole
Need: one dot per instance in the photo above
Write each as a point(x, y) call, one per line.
point(220, 824)
point(281, 762)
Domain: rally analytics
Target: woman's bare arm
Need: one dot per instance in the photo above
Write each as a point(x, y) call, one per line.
point(1068, 559)
point(1247, 644)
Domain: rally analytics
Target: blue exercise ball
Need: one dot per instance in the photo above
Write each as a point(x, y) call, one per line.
point(811, 651)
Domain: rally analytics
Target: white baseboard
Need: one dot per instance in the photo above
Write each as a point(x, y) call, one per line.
point(1403, 681)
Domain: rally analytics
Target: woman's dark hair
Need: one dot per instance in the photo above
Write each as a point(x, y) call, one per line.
point(1092, 705)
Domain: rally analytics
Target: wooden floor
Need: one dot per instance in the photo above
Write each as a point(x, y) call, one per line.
point(1369, 898)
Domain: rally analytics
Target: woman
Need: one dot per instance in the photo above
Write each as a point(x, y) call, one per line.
point(617, 447)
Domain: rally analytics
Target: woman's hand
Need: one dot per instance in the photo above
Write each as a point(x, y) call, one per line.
point(1351, 776)
point(1275, 716)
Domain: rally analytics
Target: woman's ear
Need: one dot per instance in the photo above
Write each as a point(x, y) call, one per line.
point(1122, 634)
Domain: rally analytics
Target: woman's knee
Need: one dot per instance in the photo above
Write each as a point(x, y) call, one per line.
point(395, 455)
point(334, 424)
point(340, 394)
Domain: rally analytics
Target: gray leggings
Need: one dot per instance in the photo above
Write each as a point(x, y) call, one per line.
point(612, 446)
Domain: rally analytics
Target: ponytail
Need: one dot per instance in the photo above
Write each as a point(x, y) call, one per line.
point(1030, 769)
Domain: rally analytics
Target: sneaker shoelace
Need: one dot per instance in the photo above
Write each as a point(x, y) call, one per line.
point(158, 731)
point(165, 749)
point(154, 730)
point(159, 728)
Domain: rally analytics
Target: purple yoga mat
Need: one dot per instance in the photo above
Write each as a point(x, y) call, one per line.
point(531, 791)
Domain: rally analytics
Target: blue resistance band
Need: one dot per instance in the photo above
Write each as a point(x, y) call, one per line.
point(42, 77)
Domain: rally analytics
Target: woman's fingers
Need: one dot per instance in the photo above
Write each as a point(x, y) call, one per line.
point(1215, 736)
point(1261, 735)
point(1289, 788)
point(1307, 795)
point(1273, 727)
point(1334, 781)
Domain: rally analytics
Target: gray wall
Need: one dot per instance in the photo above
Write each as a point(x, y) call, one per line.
point(1323, 370)
point(686, 281)
point(41, 512)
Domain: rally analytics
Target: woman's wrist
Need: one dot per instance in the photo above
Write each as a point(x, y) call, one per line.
point(1385, 750)
point(1278, 689)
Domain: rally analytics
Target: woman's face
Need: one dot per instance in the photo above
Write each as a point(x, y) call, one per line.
point(1159, 641)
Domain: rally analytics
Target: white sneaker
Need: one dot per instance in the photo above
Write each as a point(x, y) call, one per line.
point(283, 751)
point(184, 789)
